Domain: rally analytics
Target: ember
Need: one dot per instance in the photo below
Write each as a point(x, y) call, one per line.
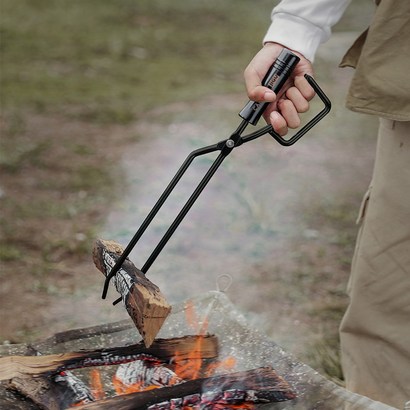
point(146, 374)
point(186, 380)
point(96, 385)
point(32, 375)
point(181, 373)
point(143, 375)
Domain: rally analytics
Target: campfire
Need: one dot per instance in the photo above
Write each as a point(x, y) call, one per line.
point(168, 373)
point(205, 356)
point(176, 373)
point(184, 372)
point(231, 351)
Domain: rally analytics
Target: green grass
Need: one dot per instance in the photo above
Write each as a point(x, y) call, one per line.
point(119, 58)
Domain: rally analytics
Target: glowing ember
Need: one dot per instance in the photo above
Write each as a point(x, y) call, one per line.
point(208, 401)
point(148, 373)
point(143, 375)
point(96, 385)
point(187, 368)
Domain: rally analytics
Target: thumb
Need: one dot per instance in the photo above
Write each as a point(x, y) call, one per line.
point(255, 90)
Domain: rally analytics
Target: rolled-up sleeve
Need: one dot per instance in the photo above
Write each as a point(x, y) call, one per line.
point(302, 25)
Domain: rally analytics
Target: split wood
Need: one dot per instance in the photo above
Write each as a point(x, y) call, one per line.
point(143, 300)
point(163, 349)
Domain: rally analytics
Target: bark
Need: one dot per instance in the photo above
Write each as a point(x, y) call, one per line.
point(143, 300)
point(40, 390)
point(56, 393)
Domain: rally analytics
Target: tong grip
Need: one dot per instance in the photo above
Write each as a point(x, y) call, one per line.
point(274, 79)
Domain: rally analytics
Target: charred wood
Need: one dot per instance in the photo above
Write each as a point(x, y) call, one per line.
point(53, 393)
point(187, 347)
point(260, 385)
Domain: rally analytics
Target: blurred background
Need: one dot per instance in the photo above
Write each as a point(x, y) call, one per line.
point(101, 101)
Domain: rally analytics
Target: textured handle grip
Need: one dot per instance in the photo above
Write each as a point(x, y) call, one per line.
point(275, 78)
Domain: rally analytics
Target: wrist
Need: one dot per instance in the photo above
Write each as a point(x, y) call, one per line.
point(295, 34)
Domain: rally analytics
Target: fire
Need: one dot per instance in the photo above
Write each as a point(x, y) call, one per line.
point(149, 373)
point(96, 385)
point(122, 388)
point(192, 368)
point(228, 364)
point(189, 369)
point(200, 326)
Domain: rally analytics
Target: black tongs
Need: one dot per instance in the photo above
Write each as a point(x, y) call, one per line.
point(276, 77)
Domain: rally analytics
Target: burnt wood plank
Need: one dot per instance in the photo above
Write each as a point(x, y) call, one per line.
point(260, 385)
point(188, 347)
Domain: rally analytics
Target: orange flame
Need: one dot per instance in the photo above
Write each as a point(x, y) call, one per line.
point(199, 326)
point(191, 369)
point(186, 369)
point(228, 364)
point(121, 388)
point(96, 385)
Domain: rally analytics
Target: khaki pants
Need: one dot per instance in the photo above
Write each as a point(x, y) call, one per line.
point(375, 332)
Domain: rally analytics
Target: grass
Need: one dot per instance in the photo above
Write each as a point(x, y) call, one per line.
point(118, 59)
point(102, 63)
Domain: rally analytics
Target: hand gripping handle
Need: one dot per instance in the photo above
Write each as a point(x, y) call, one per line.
point(275, 78)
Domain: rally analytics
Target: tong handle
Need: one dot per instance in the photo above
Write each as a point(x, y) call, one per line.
point(274, 79)
point(311, 123)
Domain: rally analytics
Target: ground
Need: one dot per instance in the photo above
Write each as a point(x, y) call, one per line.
point(94, 127)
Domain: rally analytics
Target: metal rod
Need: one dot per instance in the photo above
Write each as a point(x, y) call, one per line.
point(183, 212)
point(225, 151)
point(154, 211)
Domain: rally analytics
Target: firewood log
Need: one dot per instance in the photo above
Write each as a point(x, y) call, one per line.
point(163, 349)
point(262, 385)
point(143, 300)
point(47, 393)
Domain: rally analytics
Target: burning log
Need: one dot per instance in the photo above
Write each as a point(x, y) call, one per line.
point(262, 385)
point(188, 347)
point(143, 300)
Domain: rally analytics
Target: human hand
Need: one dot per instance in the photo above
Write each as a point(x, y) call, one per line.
point(293, 99)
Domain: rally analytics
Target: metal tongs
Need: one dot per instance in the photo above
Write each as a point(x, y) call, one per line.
point(276, 77)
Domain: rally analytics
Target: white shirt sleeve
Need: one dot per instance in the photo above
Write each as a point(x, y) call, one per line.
point(302, 25)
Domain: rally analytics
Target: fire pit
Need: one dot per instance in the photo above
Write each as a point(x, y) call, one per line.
point(237, 368)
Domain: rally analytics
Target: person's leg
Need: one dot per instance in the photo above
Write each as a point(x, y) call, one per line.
point(375, 331)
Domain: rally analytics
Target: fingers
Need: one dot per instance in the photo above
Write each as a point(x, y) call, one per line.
point(256, 71)
point(289, 113)
point(297, 99)
point(285, 114)
point(304, 87)
point(293, 99)
point(256, 91)
point(278, 123)
point(261, 93)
